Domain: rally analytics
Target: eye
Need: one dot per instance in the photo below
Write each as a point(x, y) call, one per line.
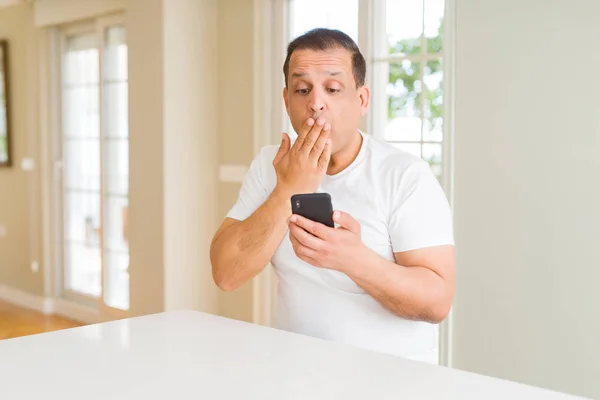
point(332, 91)
point(302, 91)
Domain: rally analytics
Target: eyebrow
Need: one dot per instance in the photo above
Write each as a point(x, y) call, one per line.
point(302, 74)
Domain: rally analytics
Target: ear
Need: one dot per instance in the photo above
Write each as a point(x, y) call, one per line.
point(364, 95)
point(286, 100)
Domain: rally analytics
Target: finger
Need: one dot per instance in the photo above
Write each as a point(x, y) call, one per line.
point(304, 253)
point(305, 238)
point(312, 136)
point(323, 162)
point(283, 148)
point(308, 124)
point(319, 146)
point(314, 228)
point(346, 221)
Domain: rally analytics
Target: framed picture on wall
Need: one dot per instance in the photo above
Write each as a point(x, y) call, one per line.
point(5, 156)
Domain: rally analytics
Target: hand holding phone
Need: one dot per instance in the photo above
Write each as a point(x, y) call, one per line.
point(340, 248)
point(314, 206)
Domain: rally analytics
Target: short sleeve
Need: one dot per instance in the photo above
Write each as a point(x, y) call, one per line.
point(421, 215)
point(253, 192)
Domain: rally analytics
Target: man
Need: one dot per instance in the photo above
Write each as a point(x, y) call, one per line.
point(385, 274)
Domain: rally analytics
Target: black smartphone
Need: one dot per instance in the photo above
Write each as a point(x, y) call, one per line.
point(314, 206)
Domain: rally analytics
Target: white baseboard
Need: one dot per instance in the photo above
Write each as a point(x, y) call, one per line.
point(49, 306)
point(74, 311)
point(24, 299)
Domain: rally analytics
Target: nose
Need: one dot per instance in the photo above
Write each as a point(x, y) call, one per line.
point(316, 103)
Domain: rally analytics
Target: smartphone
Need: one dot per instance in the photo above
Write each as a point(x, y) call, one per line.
point(314, 206)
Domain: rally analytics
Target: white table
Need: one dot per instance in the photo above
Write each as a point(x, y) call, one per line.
point(189, 354)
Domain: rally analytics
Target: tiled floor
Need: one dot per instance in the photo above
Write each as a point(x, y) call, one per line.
point(16, 321)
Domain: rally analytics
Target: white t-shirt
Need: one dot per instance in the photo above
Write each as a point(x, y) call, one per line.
point(400, 206)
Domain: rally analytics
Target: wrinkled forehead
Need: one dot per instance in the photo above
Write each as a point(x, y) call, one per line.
point(325, 61)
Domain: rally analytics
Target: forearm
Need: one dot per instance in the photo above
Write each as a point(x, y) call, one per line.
point(243, 250)
point(415, 293)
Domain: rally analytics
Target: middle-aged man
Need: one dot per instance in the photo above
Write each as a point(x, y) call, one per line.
point(385, 274)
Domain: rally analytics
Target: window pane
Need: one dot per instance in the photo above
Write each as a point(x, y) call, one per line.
point(433, 130)
point(82, 219)
point(335, 14)
point(115, 104)
point(80, 65)
point(81, 117)
point(115, 54)
point(432, 153)
point(404, 22)
point(434, 101)
point(434, 14)
point(403, 95)
point(115, 83)
point(82, 273)
point(116, 166)
point(81, 157)
point(117, 280)
point(116, 169)
point(82, 164)
point(117, 253)
point(116, 211)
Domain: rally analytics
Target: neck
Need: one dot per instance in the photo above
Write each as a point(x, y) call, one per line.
point(341, 159)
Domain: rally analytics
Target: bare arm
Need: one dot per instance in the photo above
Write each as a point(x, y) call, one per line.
point(418, 286)
point(241, 249)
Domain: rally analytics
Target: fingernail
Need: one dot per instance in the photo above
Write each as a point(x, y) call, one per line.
point(336, 214)
point(320, 121)
point(310, 122)
point(327, 127)
point(328, 142)
point(293, 218)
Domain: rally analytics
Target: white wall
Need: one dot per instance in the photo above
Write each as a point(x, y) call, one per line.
point(236, 95)
point(190, 151)
point(53, 12)
point(19, 189)
point(144, 19)
point(527, 192)
point(173, 157)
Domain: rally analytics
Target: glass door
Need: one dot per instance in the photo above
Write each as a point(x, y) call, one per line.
point(94, 156)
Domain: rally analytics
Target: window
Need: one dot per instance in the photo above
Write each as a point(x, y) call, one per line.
point(95, 163)
point(407, 78)
point(335, 14)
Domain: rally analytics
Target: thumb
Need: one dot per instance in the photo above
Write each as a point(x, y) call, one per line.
point(283, 148)
point(346, 221)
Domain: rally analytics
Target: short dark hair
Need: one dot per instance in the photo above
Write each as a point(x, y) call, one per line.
point(324, 39)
